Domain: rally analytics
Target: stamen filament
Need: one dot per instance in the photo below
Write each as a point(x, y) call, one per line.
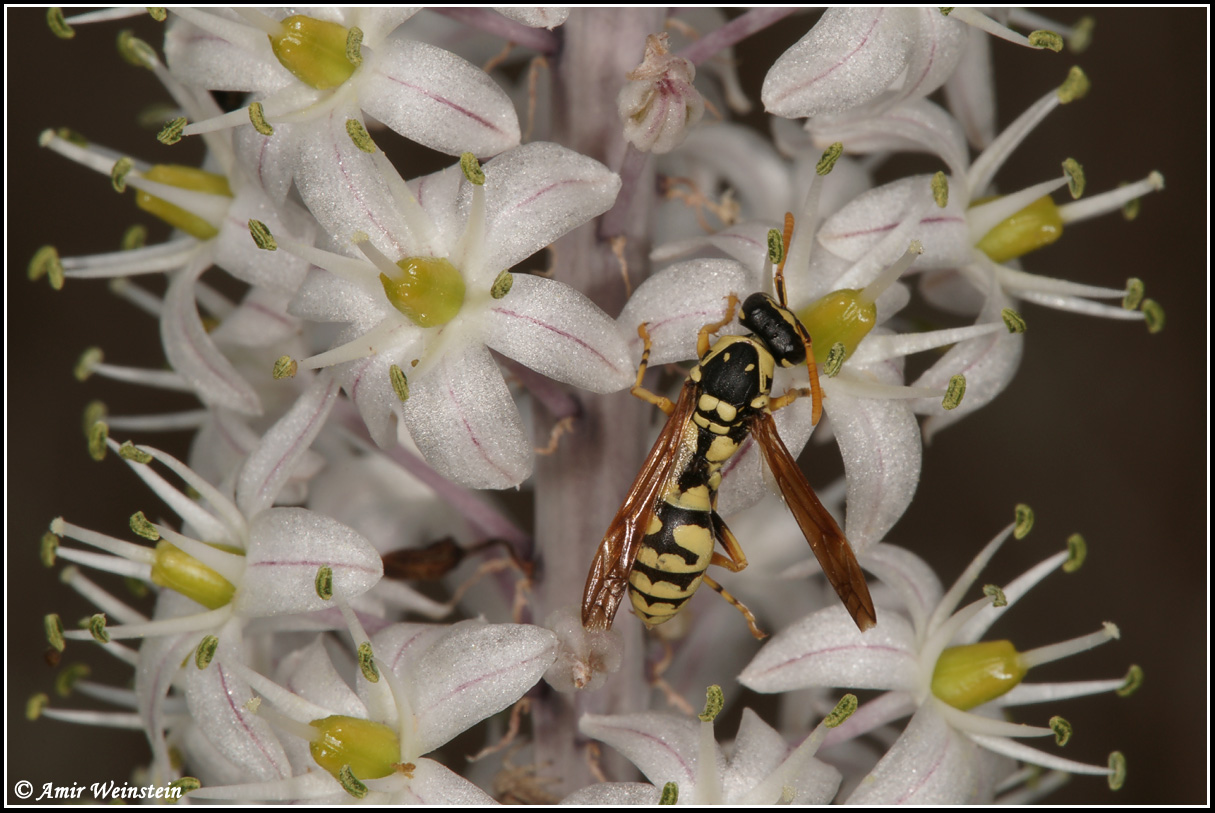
point(1110, 201)
point(121, 548)
point(146, 260)
point(107, 564)
point(105, 719)
point(1065, 649)
point(982, 218)
point(989, 162)
point(98, 596)
point(212, 619)
point(977, 19)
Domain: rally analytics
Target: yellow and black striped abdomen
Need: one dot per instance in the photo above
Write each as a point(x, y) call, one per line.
point(673, 557)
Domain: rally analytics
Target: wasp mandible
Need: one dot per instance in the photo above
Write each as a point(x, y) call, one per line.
point(662, 539)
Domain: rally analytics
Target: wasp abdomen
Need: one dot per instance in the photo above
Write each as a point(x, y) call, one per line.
point(674, 555)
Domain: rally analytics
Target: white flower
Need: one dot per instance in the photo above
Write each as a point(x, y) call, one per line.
point(659, 104)
point(682, 757)
point(928, 658)
point(433, 296)
point(302, 67)
point(418, 686)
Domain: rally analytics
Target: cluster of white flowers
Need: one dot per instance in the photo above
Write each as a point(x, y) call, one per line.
point(407, 344)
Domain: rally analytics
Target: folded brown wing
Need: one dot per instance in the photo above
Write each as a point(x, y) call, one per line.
point(613, 563)
point(834, 554)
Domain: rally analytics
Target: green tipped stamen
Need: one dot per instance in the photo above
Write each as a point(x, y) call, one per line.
point(940, 190)
point(350, 783)
point(284, 367)
point(1077, 551)
point(262, 238)
point(96, 625)
point(502, 285)
point(129, 451)
point(35, 705)
point(1074, 87)
point(1062, 729)
point(324, 582)
point(830, 156)
point(954, 392)
point(45, 262)
point(670, 794)
point(135, 51)
point(842, 711)
point(1132, 681)
point(53, 626)
point(996, 595)
point(471, 168)
point(1134, 294)
point(1075, 177)
point(58, 25)
point(776, 247)
point(69, 676)
point(399, 381)
point(1048, 40)
point(1014, 321)
point(367, 663)
point(1153, 315)
point(48, 547)
point(715, 701)
point(257, 117)
point(1023, 522)
point(141, 527)
point(359, 135)
point(1117, 765)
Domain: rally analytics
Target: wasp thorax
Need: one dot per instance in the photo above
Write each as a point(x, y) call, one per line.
point(179, 571)
point(971, 675)
point(182, 177)
point(776, 326)
point(370, 750)
point(430, 290)
point(314, 51)
point(1038, 224)
point(845, 316)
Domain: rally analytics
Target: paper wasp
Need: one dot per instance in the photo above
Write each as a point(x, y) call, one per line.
point(662, 540)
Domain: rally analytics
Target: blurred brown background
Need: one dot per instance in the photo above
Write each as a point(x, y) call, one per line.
point(1102, 432)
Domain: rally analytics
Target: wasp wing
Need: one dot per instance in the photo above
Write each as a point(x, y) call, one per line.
point(613, 563)
point(828, 542)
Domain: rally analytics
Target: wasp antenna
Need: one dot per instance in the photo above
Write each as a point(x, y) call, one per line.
point(786, 237)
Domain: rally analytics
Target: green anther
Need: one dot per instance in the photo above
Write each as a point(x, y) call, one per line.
point(1134, 293)
point(58, 25)
point(400, 382)
point(359, 135)
point(502, 285)
point(954, 392)
point(830, 156)
point(361, 747)
point(70, 135)
point(1062, 729)
point(48, 547)
point(262, 238)
point(177, 570)
point(205, 651)
point(118, 173)
point(53, 626)
point(354, 46)
point(715, 701)
point(996, 595)
point(1074, 87)
point(136, 51)
point(1117, 765)
point(1082, 35)
point(88, 360)
point(1132, 681)
point(94, 412)
point(669, 795)
point(1037, 225)
point(183, 177)
point(129, 451)
point(69, 676)
point(284, 367)
point(367, 663)
point(940, 189)
point(35, 705)
point(842, 711)
point(46, 262)
point(350, 782)
point(776, 246)
point(1046, 39)
point(142, 527)
point(845, 316)
point(1130, 209)
point(471, 168)
point(135, 587)
point(135, 237)
point(158, 13)
point(324, 582)
point(835, 359)
point(97, 628)
point(257, 117)
point(945, 10)
point(973, 674)
point(316, 51)
point(171, 132)
point(1075, 177)
point(98, 434)
point(1023, 522)
point(185, 785)
point(1014, 321)
point(430, 291)
point(1077, 550)
point(1153, 315)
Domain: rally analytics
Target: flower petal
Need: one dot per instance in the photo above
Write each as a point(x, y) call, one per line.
point(915, 126)
point(434, 97)
point(929, 764)
point(287, 547)
point(537, 193)
point(556, 331)
point(435, 784)
point(663, 746)
point(463, 420)
point(826, 649)
point(535, 16)
point(850, 57)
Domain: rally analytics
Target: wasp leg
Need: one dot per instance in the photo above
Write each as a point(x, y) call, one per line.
point(734, 559)
point(639, 391)
point(791, 395)
point(738, 605)
point(702, 338)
